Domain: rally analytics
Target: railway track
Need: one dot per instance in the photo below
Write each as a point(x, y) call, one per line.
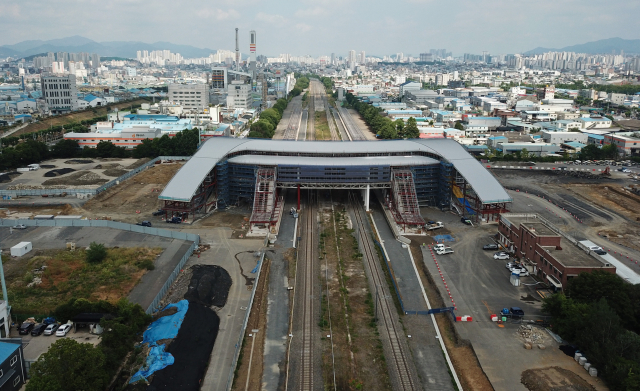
point(353, 130)
point(400, 367)
point(303, 361)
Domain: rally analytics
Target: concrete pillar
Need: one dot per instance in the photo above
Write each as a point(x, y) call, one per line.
point(366, 199)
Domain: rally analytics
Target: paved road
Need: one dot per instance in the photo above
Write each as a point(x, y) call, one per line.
point(275, 344)
point(405, 276)
point(151, 283)
point(233, 313)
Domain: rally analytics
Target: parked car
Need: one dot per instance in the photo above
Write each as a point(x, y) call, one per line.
point(20, 226)
point(491, 246)
point(145, 223)
point(465, 220)
point(63, 330)
point(509, 265)
point(520, 269)
point(51, 329)
point(38, 329)
point(25, 328)
point(175, 220)
point(158, 212)
point(501, 255)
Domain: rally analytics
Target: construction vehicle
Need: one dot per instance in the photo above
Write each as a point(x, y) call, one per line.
point(431, 225)
point(606, 171)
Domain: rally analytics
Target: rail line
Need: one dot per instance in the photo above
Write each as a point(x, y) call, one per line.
point(302, 376)
point(353, 130)
point(399, 364)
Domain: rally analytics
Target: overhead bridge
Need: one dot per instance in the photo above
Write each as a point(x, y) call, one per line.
point(410, 174)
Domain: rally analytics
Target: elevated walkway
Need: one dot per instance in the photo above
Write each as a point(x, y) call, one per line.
point(403, 202)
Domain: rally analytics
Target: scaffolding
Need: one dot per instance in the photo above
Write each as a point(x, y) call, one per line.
point(264, 196)
point(403, 202)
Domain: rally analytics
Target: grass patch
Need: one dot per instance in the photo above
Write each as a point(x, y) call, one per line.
point(322, 126)
point(68, 275)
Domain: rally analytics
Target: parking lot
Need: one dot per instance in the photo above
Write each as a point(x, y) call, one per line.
point(33, 347)
point(480, 286)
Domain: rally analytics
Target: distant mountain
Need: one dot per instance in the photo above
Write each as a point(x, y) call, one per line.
point(105, 49)
point(603, 46)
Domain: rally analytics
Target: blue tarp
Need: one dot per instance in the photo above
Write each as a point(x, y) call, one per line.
point(166, 327)
point(156, 360)
point(443, 238)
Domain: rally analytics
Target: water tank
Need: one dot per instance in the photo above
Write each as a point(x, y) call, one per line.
point(593, 372)
point(577, 356)
point(582, 361)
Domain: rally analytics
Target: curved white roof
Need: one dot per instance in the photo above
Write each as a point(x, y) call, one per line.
point(184, 184)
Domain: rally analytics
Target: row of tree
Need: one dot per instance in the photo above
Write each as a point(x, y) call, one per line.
point(600, 314)
point(383, 126)
point(265, 126)
point(69, 365)
point(29, 151)
point(628, 89)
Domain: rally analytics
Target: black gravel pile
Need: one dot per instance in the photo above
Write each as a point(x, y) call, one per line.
point(209, 286)
point(191, 350)
point(58, 172)
point(8, 177)
point(78, 161)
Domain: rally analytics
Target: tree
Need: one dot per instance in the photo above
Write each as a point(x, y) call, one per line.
point(399, 124)
point(610, 151)
point(411, 130)
point(145, 149)
point(96, 253)
point(272, 116)
point(458, 125)
point(69, 365)
point(65, 149)
point(262, 129)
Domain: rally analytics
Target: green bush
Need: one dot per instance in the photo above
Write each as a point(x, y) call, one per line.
point(96, 253)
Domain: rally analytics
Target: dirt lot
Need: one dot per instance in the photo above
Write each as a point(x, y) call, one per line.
point(75, 173)
point(75, 117)
point(602, 204)
point(554, 379)
point(359, 358)
point(39, 283)
point(134, 199)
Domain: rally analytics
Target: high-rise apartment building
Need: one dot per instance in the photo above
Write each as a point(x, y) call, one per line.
point(190, 96)
point(363, 58)
point(60, 93)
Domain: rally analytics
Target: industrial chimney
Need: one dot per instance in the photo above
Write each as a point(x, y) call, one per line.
point(252, 53)
point(237, 52)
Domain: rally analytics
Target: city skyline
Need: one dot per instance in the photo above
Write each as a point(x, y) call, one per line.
point(329, 26)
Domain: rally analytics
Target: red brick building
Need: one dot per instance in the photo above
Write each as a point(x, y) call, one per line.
point(544, 251)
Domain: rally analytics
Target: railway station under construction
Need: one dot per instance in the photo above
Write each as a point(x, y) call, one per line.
point(408, 173)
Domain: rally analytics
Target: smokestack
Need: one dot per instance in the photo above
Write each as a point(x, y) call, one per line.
point(252, 53)
point(237, 52)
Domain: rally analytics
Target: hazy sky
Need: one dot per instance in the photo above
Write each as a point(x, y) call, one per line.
point(317, 27)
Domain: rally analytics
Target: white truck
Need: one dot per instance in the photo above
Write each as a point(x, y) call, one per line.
point(431, 225)
point(441, 249)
